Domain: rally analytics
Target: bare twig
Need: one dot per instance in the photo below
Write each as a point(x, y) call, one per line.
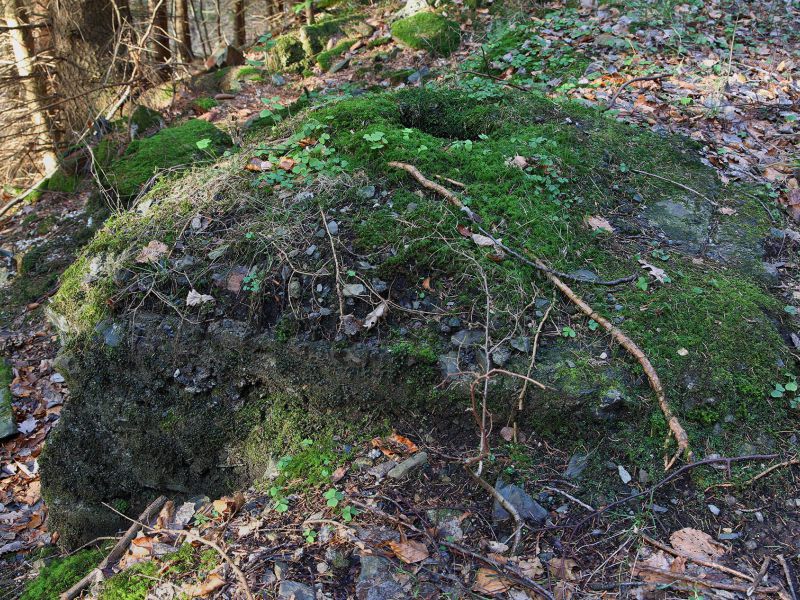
point(657, 77)
point(336, 263)
point(117, 551)
point(677, 184)
point(714, 585)
point(695, 559)
point(439, 189)
point(499, 80)
point(791, 582)
point(765, 472)
point(201, 540)
point(569, 497)
point(510, 509)
point(761, 572)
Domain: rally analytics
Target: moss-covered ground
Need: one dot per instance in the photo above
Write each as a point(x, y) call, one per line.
point(577, 163)
point(60, 574)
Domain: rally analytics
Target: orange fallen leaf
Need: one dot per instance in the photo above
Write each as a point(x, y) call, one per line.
point(409, 551)
point(490, 582)
point(394, 445)
point(286, 163)
point(258, 165)
point(696, 543)
point(208, 586)
point(562, 568)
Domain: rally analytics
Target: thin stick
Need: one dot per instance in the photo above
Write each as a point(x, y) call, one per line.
point(790, 580)
point(634, 80)
point(706, 563)
point(452, 181)
point(765, 472)
point(196, 538)
point(568, 497)
point(499, 80)
point(117, 551)
point(502, 502)
point(675, 183)
point(761, 572)
point(705, 583)
point(336, 263)
point(674, 425)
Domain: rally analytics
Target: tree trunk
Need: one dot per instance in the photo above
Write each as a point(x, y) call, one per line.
point(32, 83)
point(239, 26)
point(309, 12)
point(201, 28)
point(182, 31)
point(159, 39)
point(87, 77)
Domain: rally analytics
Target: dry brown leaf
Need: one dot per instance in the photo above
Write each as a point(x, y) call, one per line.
point(426, 284)
point(562, 568)
point(598, 223)
point(258, 165)
point(286, 163)
point(657, 560)
point(482, 240)
point(152, 253)
point(394, 445)
point(339, 474)
point(409, 551)
point(518, 161)
point(490, 582)
point(696, 543)
point(227, 506)
point(507, 433)
point(531, 567)
point(211, 584)
point(464, 231)
point(372, 318)
point(166, 515)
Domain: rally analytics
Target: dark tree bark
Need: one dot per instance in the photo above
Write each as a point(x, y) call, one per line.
point(159, 39)
point(182, 30)
point(239, 26)
point(309, 12)
point(83, 38)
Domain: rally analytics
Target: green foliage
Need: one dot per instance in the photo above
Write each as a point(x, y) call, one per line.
point(60, 574)
point(145, 119)
point(428, 31)
point(170, 147)
point(131, 584)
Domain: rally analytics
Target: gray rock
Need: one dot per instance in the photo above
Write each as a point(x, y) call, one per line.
point(585, 275)
point(367, 192)
point(293, 590)
point(448, 363)
point(375, 582)
point(333, 228)
point(728, 537)
point(409, 464)
point(611, 403)
point(576, 466)
point(278, 79)
point(467, 337)
point(379, 471)
point(684, 220)
point(527, 507)
point(350, 290)
point(714, 510)
point(521, 344)
point(501, 356)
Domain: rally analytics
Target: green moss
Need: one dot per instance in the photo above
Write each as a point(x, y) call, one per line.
point(428, 31)
point(132, 583)
point(206, 103)
point(168, 148)
point(7, 426)
point(315, 37)
point(145, 119)
point(62, 182)
point(287, 52)
point(380, 41)
point(325, 59)
point(60, 574)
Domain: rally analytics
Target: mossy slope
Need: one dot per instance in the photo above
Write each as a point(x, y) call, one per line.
point(271, 342)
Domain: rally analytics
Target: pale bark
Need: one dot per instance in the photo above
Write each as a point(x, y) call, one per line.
point(182, 30)
point(32, 84)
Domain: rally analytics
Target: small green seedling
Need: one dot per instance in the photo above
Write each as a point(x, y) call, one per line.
point(203, 144)
point(377, 138)
point(348, 512)
point(568, 332)
point(333, 496)
point(310, 536)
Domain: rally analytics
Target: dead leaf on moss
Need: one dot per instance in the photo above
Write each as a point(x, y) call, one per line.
point(394, 445)
point(372, 318)
point(490, 582)
point(152, 253)
point(482, 240)
point(598, 223)
point(409, 551)
point(286, 163)
point(259, 166)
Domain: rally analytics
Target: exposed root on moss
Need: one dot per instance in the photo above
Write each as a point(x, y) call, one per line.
point(675, 427)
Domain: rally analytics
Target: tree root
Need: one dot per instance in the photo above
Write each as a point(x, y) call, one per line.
point(675, 427)
point(510, 509)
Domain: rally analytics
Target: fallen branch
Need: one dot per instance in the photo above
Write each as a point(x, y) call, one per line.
point(761, 572)
point(196, 538)
point(714, 585)
point(569, 497)
point(677, 184)
point(336, 264)
point(117, 551)
point(790, 579)
point(657, 77)
point(765, 472)
point(706, 563)
point(655, 383)
point(510, 509)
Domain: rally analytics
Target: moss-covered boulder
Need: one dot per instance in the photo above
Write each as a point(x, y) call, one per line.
point(7, 424)
point(286, 53)
point(181, 145)
point(144, 122)
point(428, 31)
point(208, 330)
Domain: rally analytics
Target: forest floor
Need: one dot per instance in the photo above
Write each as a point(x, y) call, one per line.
point(682, 71)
